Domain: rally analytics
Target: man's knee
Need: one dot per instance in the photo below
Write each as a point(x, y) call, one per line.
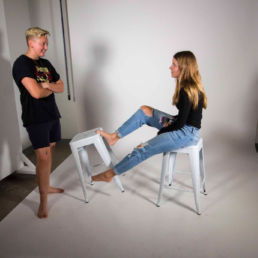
point(43, 155)
point(147, 110)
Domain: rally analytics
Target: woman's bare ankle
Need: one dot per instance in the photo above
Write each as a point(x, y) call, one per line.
point(105, 176)
point(115, 136)
point(111, 138)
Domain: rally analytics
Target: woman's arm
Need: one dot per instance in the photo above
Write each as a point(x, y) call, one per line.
point(183, 113)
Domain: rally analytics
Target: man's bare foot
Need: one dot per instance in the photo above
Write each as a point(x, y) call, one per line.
point(105, 176)
point(55, 190)
point(42, 212)
point(111, 138)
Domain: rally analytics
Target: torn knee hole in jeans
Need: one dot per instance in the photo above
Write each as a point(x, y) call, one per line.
point(142, 145)
point(138, 147)
point(146, 111)
point(151, 113)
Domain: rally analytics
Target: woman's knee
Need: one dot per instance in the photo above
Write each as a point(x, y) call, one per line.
point(147, 110)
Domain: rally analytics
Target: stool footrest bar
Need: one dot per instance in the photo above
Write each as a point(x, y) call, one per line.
point(97, 165)
point(172, 188)
point(186, 173)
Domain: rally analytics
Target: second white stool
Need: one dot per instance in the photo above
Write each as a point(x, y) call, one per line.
point(197, 170)
point(78, 145)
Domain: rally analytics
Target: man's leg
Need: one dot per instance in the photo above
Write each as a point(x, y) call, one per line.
point(43, 173)
point(43, 169)
point(52, 189)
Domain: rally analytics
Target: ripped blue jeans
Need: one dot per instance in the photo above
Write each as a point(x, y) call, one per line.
point(186, 136)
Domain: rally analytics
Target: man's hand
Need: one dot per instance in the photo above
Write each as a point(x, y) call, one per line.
point(44, 85)
point(56, 87)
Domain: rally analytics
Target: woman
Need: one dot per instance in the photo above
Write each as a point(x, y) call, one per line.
point(175, 132)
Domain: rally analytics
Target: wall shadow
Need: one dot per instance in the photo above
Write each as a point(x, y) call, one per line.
point(9, 132)
point(230, 141)
point(97, 93)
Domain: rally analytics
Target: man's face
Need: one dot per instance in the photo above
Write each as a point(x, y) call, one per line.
point(39, 46)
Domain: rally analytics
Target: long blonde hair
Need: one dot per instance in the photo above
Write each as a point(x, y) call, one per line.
point(189, 79)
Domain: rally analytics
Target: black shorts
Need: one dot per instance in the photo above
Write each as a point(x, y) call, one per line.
point(41, 135)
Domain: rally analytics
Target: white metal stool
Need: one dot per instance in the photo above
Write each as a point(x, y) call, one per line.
point(79, 143)
point(197, 169)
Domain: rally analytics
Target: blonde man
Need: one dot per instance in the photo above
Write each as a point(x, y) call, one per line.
point(37, 81)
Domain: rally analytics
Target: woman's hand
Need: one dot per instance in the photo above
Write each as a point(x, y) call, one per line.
point(166, 124)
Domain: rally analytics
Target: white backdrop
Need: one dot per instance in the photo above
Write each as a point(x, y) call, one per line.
point(121, 52)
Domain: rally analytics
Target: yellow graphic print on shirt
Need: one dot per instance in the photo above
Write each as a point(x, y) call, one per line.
point(43, 74)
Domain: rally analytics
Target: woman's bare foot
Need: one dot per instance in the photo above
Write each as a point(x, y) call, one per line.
point(111, 138)
point(105, 176)
point(55, 190)
point(42, 212)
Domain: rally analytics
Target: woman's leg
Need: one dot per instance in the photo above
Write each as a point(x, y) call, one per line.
point(159, 144)
point(144, 115)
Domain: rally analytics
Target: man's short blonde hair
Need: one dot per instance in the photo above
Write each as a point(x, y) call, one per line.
point(35, 32)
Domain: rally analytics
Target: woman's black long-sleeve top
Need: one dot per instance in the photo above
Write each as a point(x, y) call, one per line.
point(186, 114)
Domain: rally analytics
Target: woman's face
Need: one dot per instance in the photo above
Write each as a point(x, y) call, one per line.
point(175, 72)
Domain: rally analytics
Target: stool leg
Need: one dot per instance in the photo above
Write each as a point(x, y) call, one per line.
point(194, 162)
point(111, 153)
point(171, 167)
point(202, 170)
point(78, 164)
point(101, 147)
point(118, 183)
point(113, 157)
point(85, 160)
point(163, 174)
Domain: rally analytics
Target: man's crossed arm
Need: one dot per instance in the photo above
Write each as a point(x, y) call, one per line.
point(42, 90)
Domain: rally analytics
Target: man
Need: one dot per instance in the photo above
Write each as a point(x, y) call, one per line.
point(37, 81)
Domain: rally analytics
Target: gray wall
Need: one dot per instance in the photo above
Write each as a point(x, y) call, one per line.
point(121, 52)
point(16, 26)
point(10, 143)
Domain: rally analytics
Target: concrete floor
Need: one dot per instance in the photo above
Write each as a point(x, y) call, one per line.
point(16, 187)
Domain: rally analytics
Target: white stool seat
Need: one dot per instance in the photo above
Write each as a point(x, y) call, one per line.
point(197, 170)
point(78, 145)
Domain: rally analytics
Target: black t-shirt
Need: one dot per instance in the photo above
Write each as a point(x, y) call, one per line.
point(35, 111)
point(186, 114)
